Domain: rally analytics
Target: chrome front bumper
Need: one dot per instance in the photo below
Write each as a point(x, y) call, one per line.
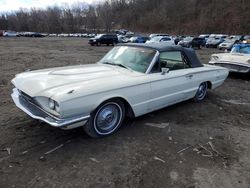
point(36, 112)
point(232, 67)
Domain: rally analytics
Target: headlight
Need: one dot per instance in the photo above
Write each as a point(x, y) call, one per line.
point(52, 104)
point(94, 40)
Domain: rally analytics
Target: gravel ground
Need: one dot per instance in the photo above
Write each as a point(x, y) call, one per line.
point(186, 145)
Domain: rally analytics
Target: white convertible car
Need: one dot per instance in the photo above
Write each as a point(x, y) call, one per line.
point(130, 80)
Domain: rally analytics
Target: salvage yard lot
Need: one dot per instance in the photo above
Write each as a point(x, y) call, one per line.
point(186, 145)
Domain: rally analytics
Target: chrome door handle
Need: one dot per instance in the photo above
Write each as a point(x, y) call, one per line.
point(189, 76)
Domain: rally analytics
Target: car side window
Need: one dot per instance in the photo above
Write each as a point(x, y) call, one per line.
point(174, 60)
point(165, 39)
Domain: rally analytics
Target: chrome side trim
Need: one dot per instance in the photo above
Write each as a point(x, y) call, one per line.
point(39, 114)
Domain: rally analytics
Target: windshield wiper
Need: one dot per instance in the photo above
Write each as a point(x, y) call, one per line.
point(117, 64)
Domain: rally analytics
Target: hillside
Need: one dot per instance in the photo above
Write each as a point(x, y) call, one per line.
point(171, 16)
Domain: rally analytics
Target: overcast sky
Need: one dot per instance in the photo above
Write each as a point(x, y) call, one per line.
point(10, 5)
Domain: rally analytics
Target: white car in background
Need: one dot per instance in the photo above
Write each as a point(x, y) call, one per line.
point(158, 35)
point(11, 34)
point(229, 42)
point(162, 39)
point(238, 60)
point(130, 80)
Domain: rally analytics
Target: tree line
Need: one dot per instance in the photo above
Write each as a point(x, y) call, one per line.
point(169, 16)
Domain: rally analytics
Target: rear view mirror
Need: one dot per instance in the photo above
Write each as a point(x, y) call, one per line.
point(164, 70)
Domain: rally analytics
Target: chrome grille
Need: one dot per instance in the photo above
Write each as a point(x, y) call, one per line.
point(233, 67)
point(26, 97)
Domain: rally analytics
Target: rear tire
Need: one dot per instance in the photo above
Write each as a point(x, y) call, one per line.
point(106, 119)
point(201, 92)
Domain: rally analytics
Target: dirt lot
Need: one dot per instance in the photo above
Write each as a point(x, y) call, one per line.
point(145, 152)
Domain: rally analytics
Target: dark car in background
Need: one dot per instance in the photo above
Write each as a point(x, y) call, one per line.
point(31, 34)
point(192, 42)
point(104, 39)
point(198, 42)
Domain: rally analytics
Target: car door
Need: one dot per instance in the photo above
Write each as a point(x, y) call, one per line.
point(104, 39)
point(173, 86)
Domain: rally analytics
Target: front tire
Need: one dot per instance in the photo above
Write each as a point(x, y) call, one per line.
point(106, 119)
point(201, 92)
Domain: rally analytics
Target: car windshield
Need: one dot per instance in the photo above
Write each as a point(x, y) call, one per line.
point(156, 39)
point(134, 58)
point(229, 40)
point(99, 36)
point(241, 49)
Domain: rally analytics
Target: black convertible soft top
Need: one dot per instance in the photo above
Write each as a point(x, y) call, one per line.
point(161, 47)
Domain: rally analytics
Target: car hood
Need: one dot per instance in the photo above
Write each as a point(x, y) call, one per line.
point(228, 43)
point(50, 82)
point(233, 57)
point(93, 38)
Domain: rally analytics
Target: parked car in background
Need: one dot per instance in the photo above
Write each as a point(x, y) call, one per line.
point(238, 60)
point(229, 42)
point(246, 38)
point(129, 34)
point(53, 35)
point(104, 39)
point(186, 42)
point(204, 36)
point(130, 80)
point(162, 39)
point(214, 42)
point(32, 34)
point(138, 39)
point(177, 39)
point(122, 39)
point(158, 35)
point(11, 34)
point(192, 42)
point(198, 42)
point(210, 38)
point(63, 35)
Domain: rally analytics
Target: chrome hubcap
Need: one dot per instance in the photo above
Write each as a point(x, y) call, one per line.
point(107, 118)
point(202, 91)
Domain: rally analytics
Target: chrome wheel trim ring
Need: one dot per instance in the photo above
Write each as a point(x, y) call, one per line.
point(108, 118)
point(202, 90)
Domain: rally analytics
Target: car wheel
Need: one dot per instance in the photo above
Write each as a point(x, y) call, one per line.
point(201, 92)
point(106, 119)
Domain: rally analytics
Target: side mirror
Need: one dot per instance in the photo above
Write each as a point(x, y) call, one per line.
point(164, 70)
